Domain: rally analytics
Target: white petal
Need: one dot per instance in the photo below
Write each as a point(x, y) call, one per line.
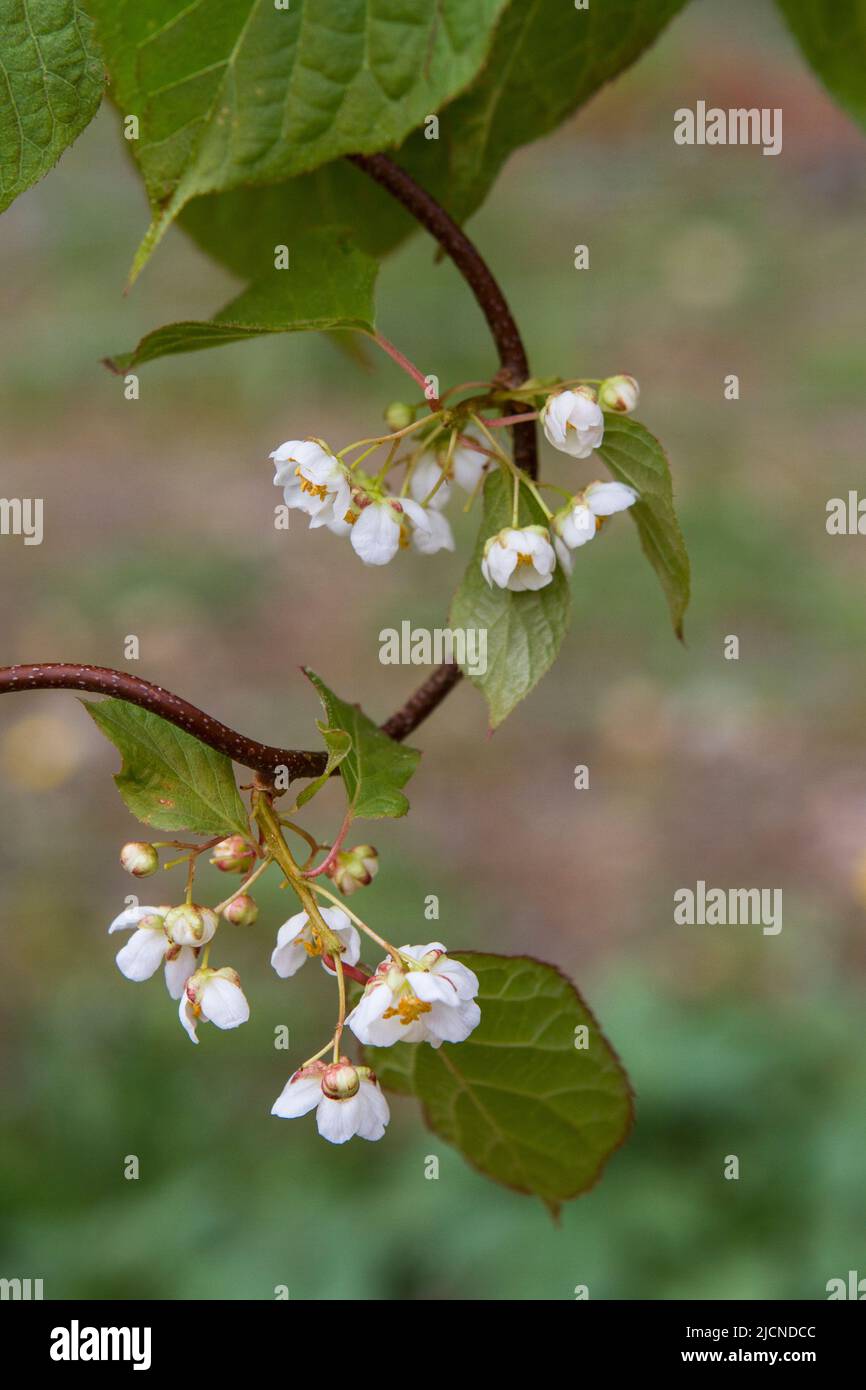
point(605, 499)
point(131, 916)
point(464, 980)
point(178, 971)
point(376, 534)
point(299, 1095)
point(564, 555)
point(431, 988)
point(467, 463)
point(425, 477)
point(375, 1112)
point(223, 1003)
point(143, 953)
point(453, 1024)
point(416, 513)
point(187, 1018)
point(338, 1120)
point(438, 536)
point(287, 960)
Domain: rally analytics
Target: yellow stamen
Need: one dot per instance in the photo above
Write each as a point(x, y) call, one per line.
point(409, 1008)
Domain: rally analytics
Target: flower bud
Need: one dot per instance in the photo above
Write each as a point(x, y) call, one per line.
point(241, 911)
point(139, 858)
point(189, 925)
point(355, 868)
point(340, 1081)
point(399, 415)
point(234, 855)
point(619, 393)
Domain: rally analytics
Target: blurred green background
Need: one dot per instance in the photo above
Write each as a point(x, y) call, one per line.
point(749, 773)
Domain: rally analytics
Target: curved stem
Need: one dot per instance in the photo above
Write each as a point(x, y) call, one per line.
point(478, 276)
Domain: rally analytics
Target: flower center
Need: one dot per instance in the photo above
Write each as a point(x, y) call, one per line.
point(317, 489)
point(408, 1009)
point(523, 559)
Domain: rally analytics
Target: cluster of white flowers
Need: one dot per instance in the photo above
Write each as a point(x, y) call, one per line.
point(417, 994)
point(525, 557)
point(377, 522)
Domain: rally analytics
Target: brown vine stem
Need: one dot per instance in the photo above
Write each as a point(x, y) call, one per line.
point(263, 758)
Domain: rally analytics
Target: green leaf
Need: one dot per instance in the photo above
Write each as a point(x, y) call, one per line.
point(524, 631)
point(376, 767)
point(832, 35)
point(634, 456)
point(519, 1098)
point(168, 778)
point(51, 81)
point(328, 286)
point(547, 60)
point(234, 92)
point(338, 744)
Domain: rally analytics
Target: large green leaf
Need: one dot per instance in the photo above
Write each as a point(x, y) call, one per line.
point(233, 92)
point(547, 60)
point(328, 285)
point(51, 83)
point(832, 35)
point(168, 778)
point(634, 456)
point(525, 630)
point(376, 766)
point(520, 1099)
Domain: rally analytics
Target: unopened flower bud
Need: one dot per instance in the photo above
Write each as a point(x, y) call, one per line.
point(234, 855)
point(355, 868)
point(241, 911)
point(189, 925)
point(399, 415)
point(139, 858)
point(619, 393)
point(340, 1081)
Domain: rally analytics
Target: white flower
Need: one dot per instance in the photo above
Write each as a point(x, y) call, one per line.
point(296, 942)
point(519, 559)
point(150, 946)
point(468, 464)
point(573, 422)
point(433, 1001)
point(384, 526)
point(438, 535)
point(575, 524)
point(604, 499)
point(214, 996)
point(347, 1100)
point(425, 477)
point(313, 480)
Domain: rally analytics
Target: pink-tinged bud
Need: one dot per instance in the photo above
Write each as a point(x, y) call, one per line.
point(189, 925)
point(241, 911)
point(399, 416)
point(139, 858)
point(340, 1081)
point(234, 855)
point(355, 868)
point(619, 393)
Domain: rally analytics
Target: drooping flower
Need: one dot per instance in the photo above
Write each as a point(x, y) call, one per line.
point(313, 480)
point(429, 482)
point(347, 1100)
point(384, 526)
point(519, 558)
point(297, 941)
point(467, 463)
point(213, 996)
point(573, 422)
point(150, 946)
point(431, 1000)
